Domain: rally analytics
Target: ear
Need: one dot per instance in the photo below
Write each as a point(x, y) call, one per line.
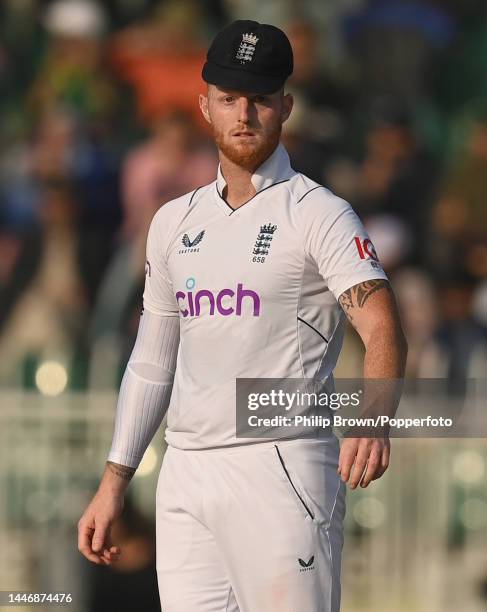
point(287, 106)
point(203, 102)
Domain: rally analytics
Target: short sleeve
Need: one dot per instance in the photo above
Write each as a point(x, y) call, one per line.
point(336, 240)
point(158, 292)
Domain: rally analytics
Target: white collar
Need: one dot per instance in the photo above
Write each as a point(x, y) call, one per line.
point(275, 169)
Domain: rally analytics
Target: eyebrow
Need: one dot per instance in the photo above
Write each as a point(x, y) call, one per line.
point(239, 92)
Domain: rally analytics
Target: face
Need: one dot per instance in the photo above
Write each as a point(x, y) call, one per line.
point(246, 126)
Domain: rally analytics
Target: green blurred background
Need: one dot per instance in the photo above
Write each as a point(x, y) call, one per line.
point(99, 126)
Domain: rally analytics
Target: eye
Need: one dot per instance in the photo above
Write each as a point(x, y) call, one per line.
point(228, 99)
point(260, 99)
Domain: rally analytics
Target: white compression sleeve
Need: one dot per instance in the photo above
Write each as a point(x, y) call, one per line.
point(146, 388)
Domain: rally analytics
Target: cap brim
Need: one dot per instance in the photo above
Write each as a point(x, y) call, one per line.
point(242, 80)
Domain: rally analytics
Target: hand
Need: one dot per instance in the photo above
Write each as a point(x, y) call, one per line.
point(94, 528)
point(369, 458)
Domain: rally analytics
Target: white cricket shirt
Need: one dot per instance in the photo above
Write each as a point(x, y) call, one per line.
point(255, 289)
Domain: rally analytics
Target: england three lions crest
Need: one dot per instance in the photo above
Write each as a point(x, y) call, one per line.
point(246, 49)
point(263, 243)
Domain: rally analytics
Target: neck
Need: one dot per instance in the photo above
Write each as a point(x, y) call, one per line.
point(239, 187)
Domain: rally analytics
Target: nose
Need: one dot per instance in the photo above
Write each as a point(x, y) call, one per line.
point(243, 109)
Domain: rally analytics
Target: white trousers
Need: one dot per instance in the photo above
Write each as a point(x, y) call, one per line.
point(254, 528)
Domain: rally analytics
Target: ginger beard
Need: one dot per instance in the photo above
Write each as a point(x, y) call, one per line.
point(248, 155)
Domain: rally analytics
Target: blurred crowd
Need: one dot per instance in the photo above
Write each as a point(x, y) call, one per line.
point(99, 127)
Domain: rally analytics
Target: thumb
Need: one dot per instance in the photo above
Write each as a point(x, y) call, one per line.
point(99, 536)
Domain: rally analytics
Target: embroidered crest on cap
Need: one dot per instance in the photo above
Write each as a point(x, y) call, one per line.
point(246, 49)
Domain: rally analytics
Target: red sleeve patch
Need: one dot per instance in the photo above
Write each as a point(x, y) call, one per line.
point(365, 248)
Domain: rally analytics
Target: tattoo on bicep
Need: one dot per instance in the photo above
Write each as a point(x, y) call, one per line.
point(124, 471)
point(356, 296)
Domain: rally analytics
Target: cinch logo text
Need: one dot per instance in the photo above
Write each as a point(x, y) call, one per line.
point(241, 301)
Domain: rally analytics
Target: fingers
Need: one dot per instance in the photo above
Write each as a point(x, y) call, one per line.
point(103, 546)
point(360, 463)
point(109, 556)
point(373, 465)
point(347, 457)
point(85, 533)
point(101, 532)
point(94, 543)
point(352, 461)
point(363, 460)
point(384, 462)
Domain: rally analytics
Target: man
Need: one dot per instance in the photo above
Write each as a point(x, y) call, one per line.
point(245, 275)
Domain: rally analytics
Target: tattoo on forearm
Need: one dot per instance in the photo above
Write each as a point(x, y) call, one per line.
point(123, 471)
point(356, 296)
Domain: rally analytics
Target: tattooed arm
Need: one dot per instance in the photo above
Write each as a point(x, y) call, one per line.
point(116, 477)
point(94, 527)
point(371, 309)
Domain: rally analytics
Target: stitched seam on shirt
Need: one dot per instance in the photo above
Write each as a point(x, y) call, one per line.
point(305, 254)
point(176, 229)
point(228, 598)
point(303, 196)
point(297, 315)
point(193, 194)
point(254, 196)
point(329, 343)
point(313, 328)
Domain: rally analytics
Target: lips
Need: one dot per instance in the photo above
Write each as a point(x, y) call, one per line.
point(243, 132)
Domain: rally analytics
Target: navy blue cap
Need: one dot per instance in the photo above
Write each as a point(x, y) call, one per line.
point(249, 56)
